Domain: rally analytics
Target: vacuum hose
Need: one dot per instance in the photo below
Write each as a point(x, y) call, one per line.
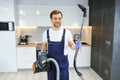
point(57, 67)
point(43, 64)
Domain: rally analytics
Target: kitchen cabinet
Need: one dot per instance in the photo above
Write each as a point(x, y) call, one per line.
point(7, 10)
point(26, 15)
point(83, 58)
point(43, 18)
point(25, 57)
point(39, 15)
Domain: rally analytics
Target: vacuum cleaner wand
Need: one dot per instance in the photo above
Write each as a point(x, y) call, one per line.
point(79, 39)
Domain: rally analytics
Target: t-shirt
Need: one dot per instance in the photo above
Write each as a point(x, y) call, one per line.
point(56, 35)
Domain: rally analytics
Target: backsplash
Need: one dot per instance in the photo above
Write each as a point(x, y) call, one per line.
point(36, 33)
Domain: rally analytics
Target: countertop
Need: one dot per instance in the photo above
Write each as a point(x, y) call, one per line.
point(28, 45)
point(39, 44)
point(35, 44)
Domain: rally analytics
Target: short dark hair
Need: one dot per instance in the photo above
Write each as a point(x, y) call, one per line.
point(55, 12)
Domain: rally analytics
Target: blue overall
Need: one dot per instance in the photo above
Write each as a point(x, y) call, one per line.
point(56, 51)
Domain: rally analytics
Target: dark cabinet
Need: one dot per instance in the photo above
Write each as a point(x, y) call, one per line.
point(105, 21)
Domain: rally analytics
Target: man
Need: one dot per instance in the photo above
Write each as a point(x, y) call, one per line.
point(57, 40)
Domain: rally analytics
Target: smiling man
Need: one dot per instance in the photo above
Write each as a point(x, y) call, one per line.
point(57, 40)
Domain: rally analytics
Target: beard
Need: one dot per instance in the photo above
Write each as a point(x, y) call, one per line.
point(57, 25)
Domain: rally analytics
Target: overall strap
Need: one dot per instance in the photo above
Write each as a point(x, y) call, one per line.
point(48, 38)
point(63, 36)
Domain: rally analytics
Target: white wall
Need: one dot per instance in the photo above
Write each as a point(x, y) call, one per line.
point(37, 33)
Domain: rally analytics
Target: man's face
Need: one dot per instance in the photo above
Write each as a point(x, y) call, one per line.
point(56, 20)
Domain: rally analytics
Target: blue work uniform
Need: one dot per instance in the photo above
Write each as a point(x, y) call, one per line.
point(56, 51)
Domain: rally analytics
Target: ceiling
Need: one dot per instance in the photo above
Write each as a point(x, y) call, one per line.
point(52, 2)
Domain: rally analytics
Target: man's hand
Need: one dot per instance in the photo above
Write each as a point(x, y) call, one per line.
point(41, 52)
point(78, 45)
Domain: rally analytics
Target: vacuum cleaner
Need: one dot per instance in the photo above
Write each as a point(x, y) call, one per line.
point(43, 62)
point(78, 40)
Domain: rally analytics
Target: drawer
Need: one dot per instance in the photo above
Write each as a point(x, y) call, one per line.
point(25, 57)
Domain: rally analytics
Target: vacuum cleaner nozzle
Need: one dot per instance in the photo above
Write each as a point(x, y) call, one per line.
point(83, 9)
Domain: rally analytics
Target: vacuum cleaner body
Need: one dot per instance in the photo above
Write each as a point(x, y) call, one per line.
point(41, 64)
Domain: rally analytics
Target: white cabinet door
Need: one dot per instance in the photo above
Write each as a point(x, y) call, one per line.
point(83, 58)
point(27, 15)
point(26, 56)
point(7, 10)
point(27, 20)
point(43, 18)
point(71, 54)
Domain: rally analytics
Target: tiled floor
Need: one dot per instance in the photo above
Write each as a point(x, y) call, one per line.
point(88, 74)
